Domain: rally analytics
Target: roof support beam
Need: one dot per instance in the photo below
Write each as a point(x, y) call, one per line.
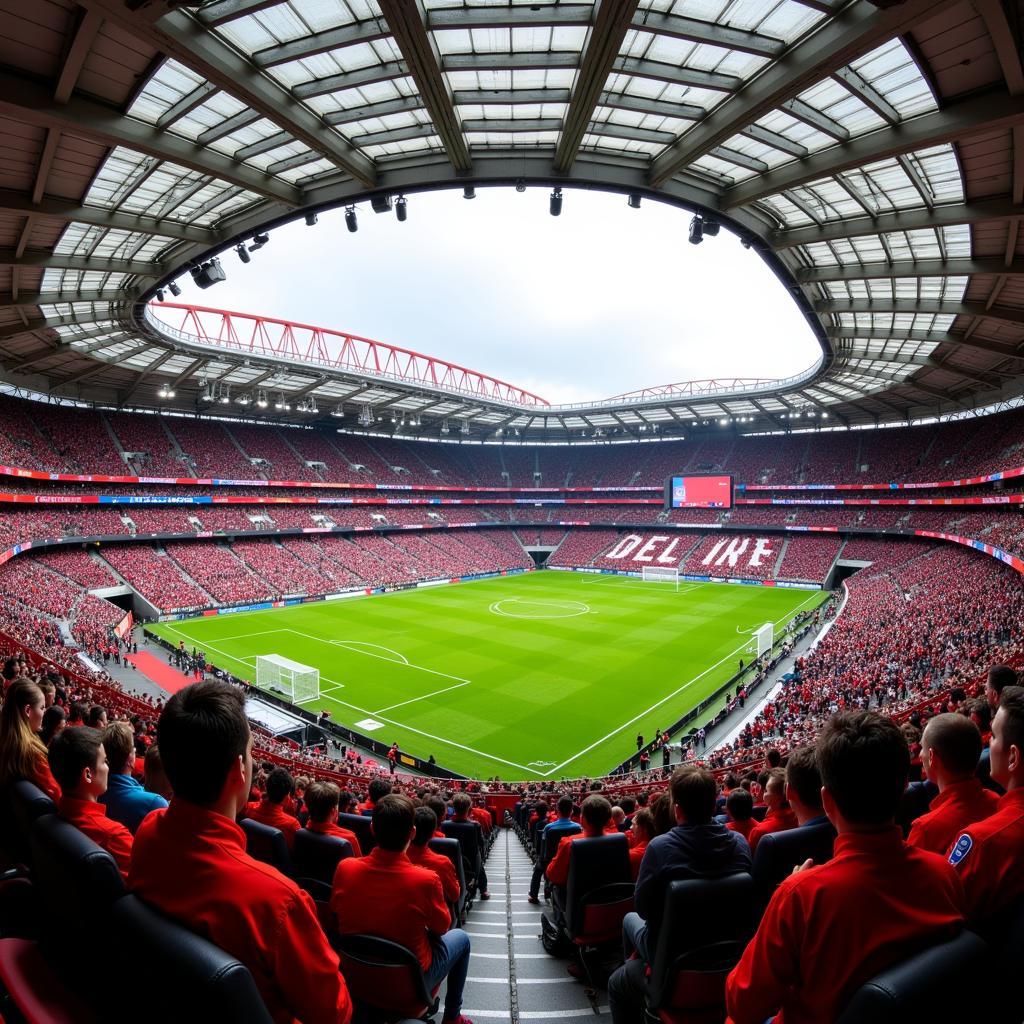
point(405, 19)
point(672, 73)
point(644, 105)
point(186, 39)
point(946, 308)
point(53, 261)
point(509, 97)
point(88, 27)
point(140, 377)
point(604, 41)
point(25, 100)
point(369, 31)
point(1004, 41)
point(917, 385)
point(52, 298)
point(533, 16)
point(193, 367)
point(352, 79)
point(854, 31)
point(938, 337)
point(990, 112)
point(44, 324)
point(910, 268)
point(694, 31)
point(227, 10)
point(403, 105)
point(75, 378)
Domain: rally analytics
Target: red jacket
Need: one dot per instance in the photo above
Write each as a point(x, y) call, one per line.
point(425, 857)
point(191, 864)
point(774, 821)
point(324, 828)
point(956, 807)
point(743, 827)
point(885, 899)
point(483, 817)
point(988, 858)
point(90, 817)
point(43, 778)
point(386, 895)
point(636, 855)
point(275, 816)
point(558, 866)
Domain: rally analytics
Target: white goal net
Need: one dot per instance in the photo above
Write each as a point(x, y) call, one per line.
point(765, 638)
point(299, 683)
point(660, 574)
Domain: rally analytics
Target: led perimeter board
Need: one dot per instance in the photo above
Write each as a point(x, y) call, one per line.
point(698, 492)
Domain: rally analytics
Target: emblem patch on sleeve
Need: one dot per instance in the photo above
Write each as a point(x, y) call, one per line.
point(961, 848)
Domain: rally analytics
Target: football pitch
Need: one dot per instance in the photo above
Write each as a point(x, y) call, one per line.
point(540, 675)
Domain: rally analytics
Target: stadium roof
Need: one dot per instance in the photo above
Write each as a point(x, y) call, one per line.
point(872, 152)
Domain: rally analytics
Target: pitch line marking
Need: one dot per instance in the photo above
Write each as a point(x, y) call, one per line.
point(573, 609)
point(397, 725)
point(663, 700)
point(356, 645)
point(426, 696)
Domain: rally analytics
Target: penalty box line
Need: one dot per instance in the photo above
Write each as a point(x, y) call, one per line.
point(398, 725)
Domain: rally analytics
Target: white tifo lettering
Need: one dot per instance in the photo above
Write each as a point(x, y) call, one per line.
point(643, 555)
point(625, 546)
point(665, 558)
point(729, 552)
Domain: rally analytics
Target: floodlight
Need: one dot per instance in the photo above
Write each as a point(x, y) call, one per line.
point(444, 427)
point(711, 227)
point(258, 241)
point(350, 219)
point(174, 289)
point(243, 253)
point(555, 203)
point(310, 220)
point(159, 295)
point(208, 273)
point(401, 209)
point(469, 192)
point(696, 230)
point(338, 411)
point(261, 398)
point(634, 201)
point(520, 185)
point(380, 204)
point(365, 417)
point(243, 399)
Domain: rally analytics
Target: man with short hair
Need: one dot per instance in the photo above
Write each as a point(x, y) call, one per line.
point(462, 804)
point(999, 677)
point(950, 748)
point(739, 805)
point(803, 787)
point(270, 810)
point(550, 837)
point(595, 817)
point(377, 789)
point(322, 799)
point(79, 764)
point(189, 861)
point(97, 717)
point(780, 816)
point(697, 847)
point(876, 896)
point(988, 853)
point(419, 852)
point(384, 894)
point(125, 799)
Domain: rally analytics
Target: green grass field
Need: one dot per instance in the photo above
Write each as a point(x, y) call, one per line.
point(540, 675)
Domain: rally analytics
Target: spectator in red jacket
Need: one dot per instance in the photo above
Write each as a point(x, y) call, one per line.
point(739, 805)
point(22, 754)
point(595, 817)
point(803, 787)
point(462, 806)
point(884, 899)
point(419, 853)
point(190, 862)
point(377, 790)
point(643, 833)
point(988, 854)
point(322, 800)
point(950, 748)
point(270, 810)
point(384, 894)
point(780, 816)
point(999, 677)
point(79, 764)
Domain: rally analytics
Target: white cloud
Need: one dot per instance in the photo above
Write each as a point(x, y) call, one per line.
point(597, 302)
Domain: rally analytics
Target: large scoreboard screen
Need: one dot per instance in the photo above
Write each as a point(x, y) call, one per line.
point(698, 492)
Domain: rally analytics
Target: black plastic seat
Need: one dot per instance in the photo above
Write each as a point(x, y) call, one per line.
point(361, 825)
point(178, 975)
point(470, 838)
point(939, 983)
point(598, 890)
point(21, 803)
point(384, 978)
point(687, 979)
point(778, 853)
point(266, 843)
point(1005, 936)
point(450, 848)
point(317, 856)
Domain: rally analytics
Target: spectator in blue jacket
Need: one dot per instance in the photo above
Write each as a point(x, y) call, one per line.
point(550, 837)
point(125, 799)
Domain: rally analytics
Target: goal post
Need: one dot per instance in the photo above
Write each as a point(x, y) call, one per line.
point(299, 683)
point(660, 574)
point(765, 637)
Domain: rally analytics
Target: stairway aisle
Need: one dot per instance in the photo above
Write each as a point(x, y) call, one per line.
point(511, 978)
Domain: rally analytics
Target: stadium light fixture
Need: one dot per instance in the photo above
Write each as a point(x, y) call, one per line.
point(365, 417)
point(469, 192)
point(225, 395)
point(402, 209)
point(555, 203)
point(464, 429)
point(259, 240)
point(243, 253)
point(696, 230)
point(174, 289)
point(445, 429)
point(208, 273)
point(711, 227)
point(243, 399)
point(351, 221)
point(310, 220)
point(634, 201)
point(159, 295)
point(339, 411)
point(261, 398)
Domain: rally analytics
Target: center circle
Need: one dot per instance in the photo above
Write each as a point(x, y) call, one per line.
point(524, 608)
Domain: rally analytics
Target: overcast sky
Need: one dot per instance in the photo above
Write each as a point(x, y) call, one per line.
point(600, 301)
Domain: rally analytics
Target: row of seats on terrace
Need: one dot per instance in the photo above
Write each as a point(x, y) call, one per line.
point(72, 440)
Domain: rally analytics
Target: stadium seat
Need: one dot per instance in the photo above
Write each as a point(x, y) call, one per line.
point(914, 803)
point(384, 978)
point(686, 984)
point(267, 844)
point(779, 852)
point(1005, 936)
point(471, 842)
point(317, 856)
point(450, 848)
point(21, 804)
point(361, 826)
point(178, 975)
point(35, 989)
point(939, 983)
